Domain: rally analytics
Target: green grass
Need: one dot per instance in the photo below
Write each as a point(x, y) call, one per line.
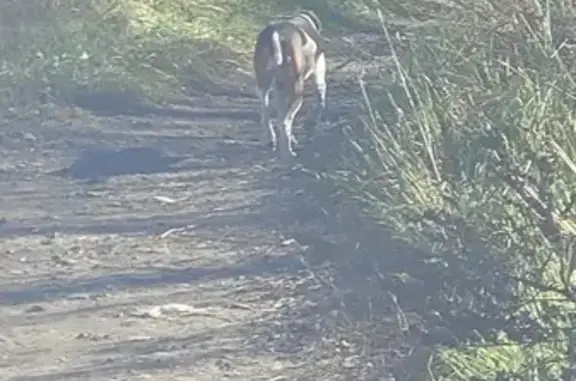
point(51, 49)
point(470, 156)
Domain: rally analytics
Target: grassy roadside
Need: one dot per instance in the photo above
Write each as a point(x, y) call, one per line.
point(53, 49)
point(469, 157)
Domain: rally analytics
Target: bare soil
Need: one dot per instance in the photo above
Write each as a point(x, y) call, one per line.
point(170, 245)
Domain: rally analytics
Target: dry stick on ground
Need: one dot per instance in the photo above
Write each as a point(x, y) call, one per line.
point(343, 65)
point(177, 230)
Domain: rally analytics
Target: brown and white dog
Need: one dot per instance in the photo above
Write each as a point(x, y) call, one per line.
point(288, 52)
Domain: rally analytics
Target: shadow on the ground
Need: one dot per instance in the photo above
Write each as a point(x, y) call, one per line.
point(45, 292)
point(195, 353)
point(271, 212)
point(109, 103)
point(100, 164)
point(240, 106)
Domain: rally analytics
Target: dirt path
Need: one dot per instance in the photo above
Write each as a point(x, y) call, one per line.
point(164, 250)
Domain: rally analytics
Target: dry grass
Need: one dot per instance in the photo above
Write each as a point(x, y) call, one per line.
point(469, 156)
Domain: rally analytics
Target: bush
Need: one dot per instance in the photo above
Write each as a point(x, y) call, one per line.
point(471, 157)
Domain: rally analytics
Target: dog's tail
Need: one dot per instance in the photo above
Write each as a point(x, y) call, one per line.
point(277, 48)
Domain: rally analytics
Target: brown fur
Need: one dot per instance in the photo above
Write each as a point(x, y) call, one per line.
point(286, 80)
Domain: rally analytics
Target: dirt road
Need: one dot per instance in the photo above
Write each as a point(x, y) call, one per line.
point(163, 246)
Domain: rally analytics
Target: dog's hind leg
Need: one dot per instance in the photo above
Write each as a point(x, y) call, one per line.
point(287, 139)
point(320, 82)
point(268, 135)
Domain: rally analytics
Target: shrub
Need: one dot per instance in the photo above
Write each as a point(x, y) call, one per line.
point(471, 156)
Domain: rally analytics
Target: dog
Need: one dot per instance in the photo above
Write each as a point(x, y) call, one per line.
point(288, 51)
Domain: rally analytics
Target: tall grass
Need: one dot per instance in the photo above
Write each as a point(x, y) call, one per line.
point(471, 157)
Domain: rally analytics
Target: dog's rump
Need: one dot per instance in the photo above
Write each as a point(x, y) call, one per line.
point(278, 39)
point(307, 23)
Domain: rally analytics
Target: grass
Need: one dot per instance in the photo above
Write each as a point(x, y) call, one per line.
point(470, 157)
point(52, 49)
